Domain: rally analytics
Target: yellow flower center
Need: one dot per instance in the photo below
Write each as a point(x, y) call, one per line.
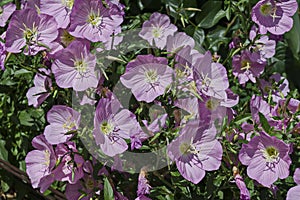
point(269, 10)
point(151, 76)
point(47, 157)
point(179, 74)
point(267, 89)
point(245, 65)
point(212, 104)
point(191, 116)
point(94, 19)
point(30, 35)
point(156, 32)
point(184, 148)
point(69, 125)
point(206, 81)
point(68, 3)
point(80, 66)
point(188, 148)
point(106, 127)
point(266, 9)
point(271, 154)
point(89, 183)
point(66, 38)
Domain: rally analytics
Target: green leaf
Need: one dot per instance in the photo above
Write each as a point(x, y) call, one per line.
point(211, 14)
point(216, 38)
point(4, 186)
point(189, 8)
point(173, 7)
point(7, 82)
point(228, 13)
point(108, 191)
point(3, 151)
point(154, 137)
point(149, 4)
point(25, 118)
point(47, 192)
point(199, 36)
point(4, 2)
point(264, 122)
point(218, 181)
point(176, 174)
point(221, 195)
point(250, 185)
point(242, 118)
point(21, 72)
point(293, 37)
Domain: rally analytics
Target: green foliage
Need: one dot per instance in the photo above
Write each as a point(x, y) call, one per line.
point(293, 37)
point(3, 151)
point(212, 24)
point(4, 2)
point(211, 13)
point(108, 191)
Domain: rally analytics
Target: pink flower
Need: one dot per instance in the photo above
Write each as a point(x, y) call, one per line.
point(267, 159)
point(92, 21)
point(63, 120)
point(157, 29)
point(40, 163)
point(74, 67)
point(147, 77)
point(39, 93)
point(31, 30)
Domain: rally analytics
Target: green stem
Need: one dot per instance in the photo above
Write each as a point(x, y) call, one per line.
point(230, 25)
point(231, 54)
point(163, 180)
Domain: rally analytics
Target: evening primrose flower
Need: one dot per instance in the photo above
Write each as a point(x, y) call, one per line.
point(59, 9)
point(244, 192)
point(62, 41)
point(92, 21)
point(178, 41)
point(112, 125)
point(212, 109)
point(147, 77)
point(247, 66)
point(267, 159)
point(274, 16)
point(297, 176)
point(277, 86)
point(5, 12)
point(2, 52)
point(70, 167)
point(116, 7)
point(294, 192)
point(190, 106)
point(210, 77)
point(41, 89)
point(74, 67)
point(62, 120)
point(259, 105)
point(143, 185)
point(195, 151)
point(35, 32)
point(263, 45)
point(86, 187)
point(33, 4)
point(157, 29)
point(184, 65)
point(40, 163)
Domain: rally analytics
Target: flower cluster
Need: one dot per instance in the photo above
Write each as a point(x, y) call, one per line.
point(204, 108)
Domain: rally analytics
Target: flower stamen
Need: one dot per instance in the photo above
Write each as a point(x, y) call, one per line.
point(151, 76)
